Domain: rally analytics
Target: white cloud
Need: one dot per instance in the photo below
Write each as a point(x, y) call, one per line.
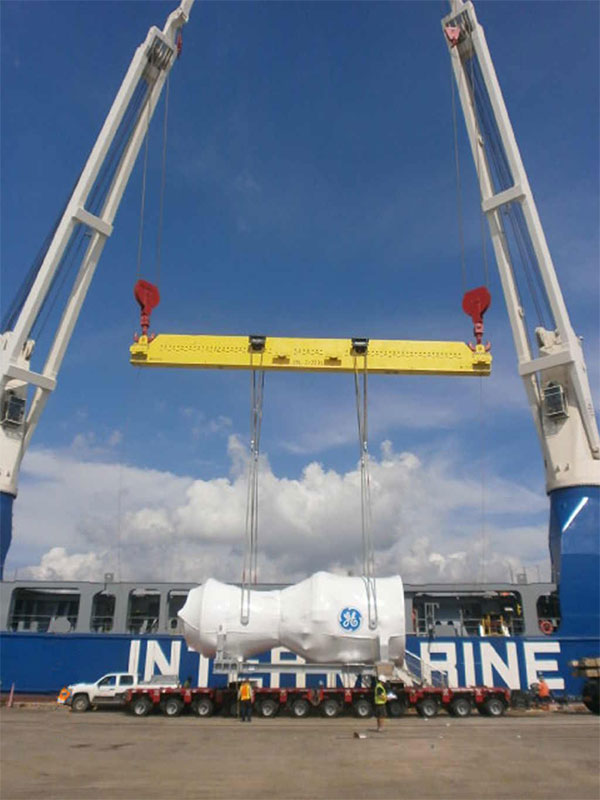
point(146, 524)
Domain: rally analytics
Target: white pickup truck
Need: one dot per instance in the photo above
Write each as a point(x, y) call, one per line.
point(109, 690)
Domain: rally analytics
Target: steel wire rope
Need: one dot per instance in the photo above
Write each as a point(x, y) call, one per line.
point(132, 114)
point(143, 199)
point(459, 208)
point(250, 560)
point(361, 398)
point(482, 440)
point(10, 316)
point(162, 186)
point(514, 212)
point(19, 300)
point(131, 406)
point(474, 91)
point(65, 268)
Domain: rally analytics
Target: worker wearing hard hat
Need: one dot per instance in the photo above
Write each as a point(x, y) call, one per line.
point(380, 701)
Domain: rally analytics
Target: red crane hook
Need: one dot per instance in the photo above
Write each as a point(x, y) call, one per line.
point(148, 297)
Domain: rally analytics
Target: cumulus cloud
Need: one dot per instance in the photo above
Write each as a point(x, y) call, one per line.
point(143, 524)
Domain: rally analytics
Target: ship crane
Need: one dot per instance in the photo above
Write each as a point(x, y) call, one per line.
point(85, 224)
point(554, 372)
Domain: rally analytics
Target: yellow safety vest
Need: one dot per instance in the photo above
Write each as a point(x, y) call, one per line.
point(245, 691)
point(380, 694)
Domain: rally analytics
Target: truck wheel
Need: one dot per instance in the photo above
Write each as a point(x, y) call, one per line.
point(300, 708)
point(362, 708)
point(395, 708)
point(203, 707)
point(428, 707)
point(330, 707)
point(269, 708)
point(460, 707)
point(493, 707)
point(81, 702)
point(591, 696)
point(172, 707)
point(141, 706)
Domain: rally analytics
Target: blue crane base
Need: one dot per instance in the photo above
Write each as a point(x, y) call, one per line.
point(6, 509)
point(575, 554)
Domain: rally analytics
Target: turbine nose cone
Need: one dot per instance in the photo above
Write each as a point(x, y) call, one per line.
point(190, 622)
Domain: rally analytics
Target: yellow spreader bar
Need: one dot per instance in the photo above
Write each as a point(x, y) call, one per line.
point(388, 357)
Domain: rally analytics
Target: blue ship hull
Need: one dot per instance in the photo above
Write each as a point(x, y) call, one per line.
point(43, 663)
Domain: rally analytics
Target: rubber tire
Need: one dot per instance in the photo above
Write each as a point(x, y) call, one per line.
point(591, 696)
point(300, 708)
point(330, 708)
point(81, 703)
point(172, 706)
point(428, 708)
point(460, 707)
point(362, 708)
point(269, 708)
point(396, 708)
point(493, 707)
point(203, 707)
point(141, 706)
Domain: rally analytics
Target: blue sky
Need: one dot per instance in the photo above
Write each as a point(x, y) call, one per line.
point(310, 190)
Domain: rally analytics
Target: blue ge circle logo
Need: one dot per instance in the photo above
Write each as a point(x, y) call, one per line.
point(350, 619)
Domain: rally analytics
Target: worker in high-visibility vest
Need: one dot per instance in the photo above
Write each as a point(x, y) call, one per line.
point(543, 692)
point(245, 698)
point(380, 702)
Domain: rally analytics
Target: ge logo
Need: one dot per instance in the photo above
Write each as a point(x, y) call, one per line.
point(350, 619)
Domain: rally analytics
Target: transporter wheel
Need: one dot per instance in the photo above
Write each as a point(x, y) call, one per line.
point(330, 707)
point(172, 707)
point(269, 708)
point(141, 706)
point(203, 707)
point(428, 707)
point(362, 708)
point(493, 707)
point(395, 708)
point(460, 707)
point(81, 702)
point(300, 708)
point(591, 696)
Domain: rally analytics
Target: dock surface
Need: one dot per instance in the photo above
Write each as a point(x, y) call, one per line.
point(51, 753)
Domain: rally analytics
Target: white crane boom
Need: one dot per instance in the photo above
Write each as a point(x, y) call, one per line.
point(90, 211)
point(555, 377)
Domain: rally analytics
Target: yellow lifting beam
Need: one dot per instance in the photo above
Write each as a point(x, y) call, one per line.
point(383, 356)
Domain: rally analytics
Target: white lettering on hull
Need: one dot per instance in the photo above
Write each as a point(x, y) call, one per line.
point(446, 664)
point(134, 657)
point(489, 663)
point(469, 664)
point(534, 665)
point(156, 658)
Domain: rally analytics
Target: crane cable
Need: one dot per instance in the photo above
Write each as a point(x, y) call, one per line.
point(162, 186)
point(250, 564)
point(360, 392)
point(143, 198)
point(482, 216)
point(161, 208)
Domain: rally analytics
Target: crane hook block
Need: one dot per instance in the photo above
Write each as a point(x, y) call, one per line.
point(148, 297)
point(475, 303)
